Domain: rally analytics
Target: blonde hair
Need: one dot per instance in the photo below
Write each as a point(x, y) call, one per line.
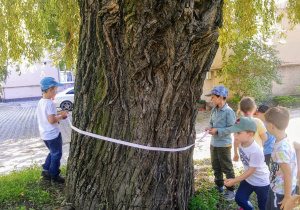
point(247, 106)
point(279, 116)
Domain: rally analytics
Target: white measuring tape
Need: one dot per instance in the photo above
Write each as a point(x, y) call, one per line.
point(132, 144)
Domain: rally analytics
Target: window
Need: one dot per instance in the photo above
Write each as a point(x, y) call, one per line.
point(70, 92)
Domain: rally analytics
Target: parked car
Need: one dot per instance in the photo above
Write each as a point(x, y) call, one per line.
point(65, 99)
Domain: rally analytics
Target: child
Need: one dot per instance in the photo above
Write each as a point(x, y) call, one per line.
point(248, 107)
point(283, 178)
point(256, 175)
point(222, 117)
point(268, 145)
point(48, 120)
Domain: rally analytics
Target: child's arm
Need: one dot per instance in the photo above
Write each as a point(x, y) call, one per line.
point(210, 123)
point(293, 202)
point(236, 155)
point(264, 138)
point(54, 119)
point(245, 175)
point(297, 148)
point(287, 173)
point(262, 131)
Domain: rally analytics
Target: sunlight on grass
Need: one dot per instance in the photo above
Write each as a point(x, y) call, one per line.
point(25, 186)
point(205, 198)
point(22, 185)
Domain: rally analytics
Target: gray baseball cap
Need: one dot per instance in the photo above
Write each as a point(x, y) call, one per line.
point(243, 124)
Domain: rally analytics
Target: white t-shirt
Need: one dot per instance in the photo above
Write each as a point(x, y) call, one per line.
point(254, 157)
point(45, 108)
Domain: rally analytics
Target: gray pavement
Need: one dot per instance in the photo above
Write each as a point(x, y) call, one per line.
point(20, 142)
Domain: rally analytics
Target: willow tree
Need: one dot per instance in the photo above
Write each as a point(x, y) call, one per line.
point(140, 71)
point(29, 27)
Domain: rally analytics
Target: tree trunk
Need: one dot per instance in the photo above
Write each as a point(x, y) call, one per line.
point(140, 72)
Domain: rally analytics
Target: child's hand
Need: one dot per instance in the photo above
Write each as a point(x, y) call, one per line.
point(284, 202)
point(207, 128)
point(229, 182)
point(236, 158)
point(292, 202)
point(65, 114)
point(213, 131)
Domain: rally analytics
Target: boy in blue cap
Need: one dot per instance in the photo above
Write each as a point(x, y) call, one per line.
point(256, 175)
point(48, 119)
point(221, 118)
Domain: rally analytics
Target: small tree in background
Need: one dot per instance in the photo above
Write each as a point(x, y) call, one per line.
point(251, 69)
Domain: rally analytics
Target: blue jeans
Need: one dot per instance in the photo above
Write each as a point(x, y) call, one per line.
point(244, 192)
point(52, 162)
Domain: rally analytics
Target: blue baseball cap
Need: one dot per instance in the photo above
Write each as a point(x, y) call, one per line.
point(243, 124)
point(49, 82)
point(219, 90)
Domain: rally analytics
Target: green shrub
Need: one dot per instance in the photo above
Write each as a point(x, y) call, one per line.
point(287, 101)
point(202, 102)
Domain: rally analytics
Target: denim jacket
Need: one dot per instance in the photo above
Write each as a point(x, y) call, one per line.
point(221, 119)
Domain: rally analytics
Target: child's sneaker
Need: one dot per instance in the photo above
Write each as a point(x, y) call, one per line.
point(45, 175)
point(228, 195)
point(57, 180)
point(219, 189)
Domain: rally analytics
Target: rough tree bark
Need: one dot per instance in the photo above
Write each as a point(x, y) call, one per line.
point(141, 68)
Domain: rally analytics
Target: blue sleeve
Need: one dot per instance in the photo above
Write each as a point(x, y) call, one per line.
point(210, 121)
point(230, 120)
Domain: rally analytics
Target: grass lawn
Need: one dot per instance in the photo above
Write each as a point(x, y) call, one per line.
point(25, 190)
point(207, 199)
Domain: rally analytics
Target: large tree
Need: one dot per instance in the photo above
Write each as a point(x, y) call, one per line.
point(140, 72)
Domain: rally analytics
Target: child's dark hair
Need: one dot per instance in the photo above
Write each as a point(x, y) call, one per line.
point(224, 98)
point(279, 116)
point(247, 106)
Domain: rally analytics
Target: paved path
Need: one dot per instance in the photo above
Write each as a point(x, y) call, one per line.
point(20, 142)
point(21, 145)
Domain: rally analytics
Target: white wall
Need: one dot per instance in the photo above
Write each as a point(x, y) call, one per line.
point(27, 84)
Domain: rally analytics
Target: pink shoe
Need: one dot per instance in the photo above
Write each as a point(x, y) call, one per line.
point(241, 208)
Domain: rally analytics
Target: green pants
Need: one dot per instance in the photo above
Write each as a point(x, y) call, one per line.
point(221, 163)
